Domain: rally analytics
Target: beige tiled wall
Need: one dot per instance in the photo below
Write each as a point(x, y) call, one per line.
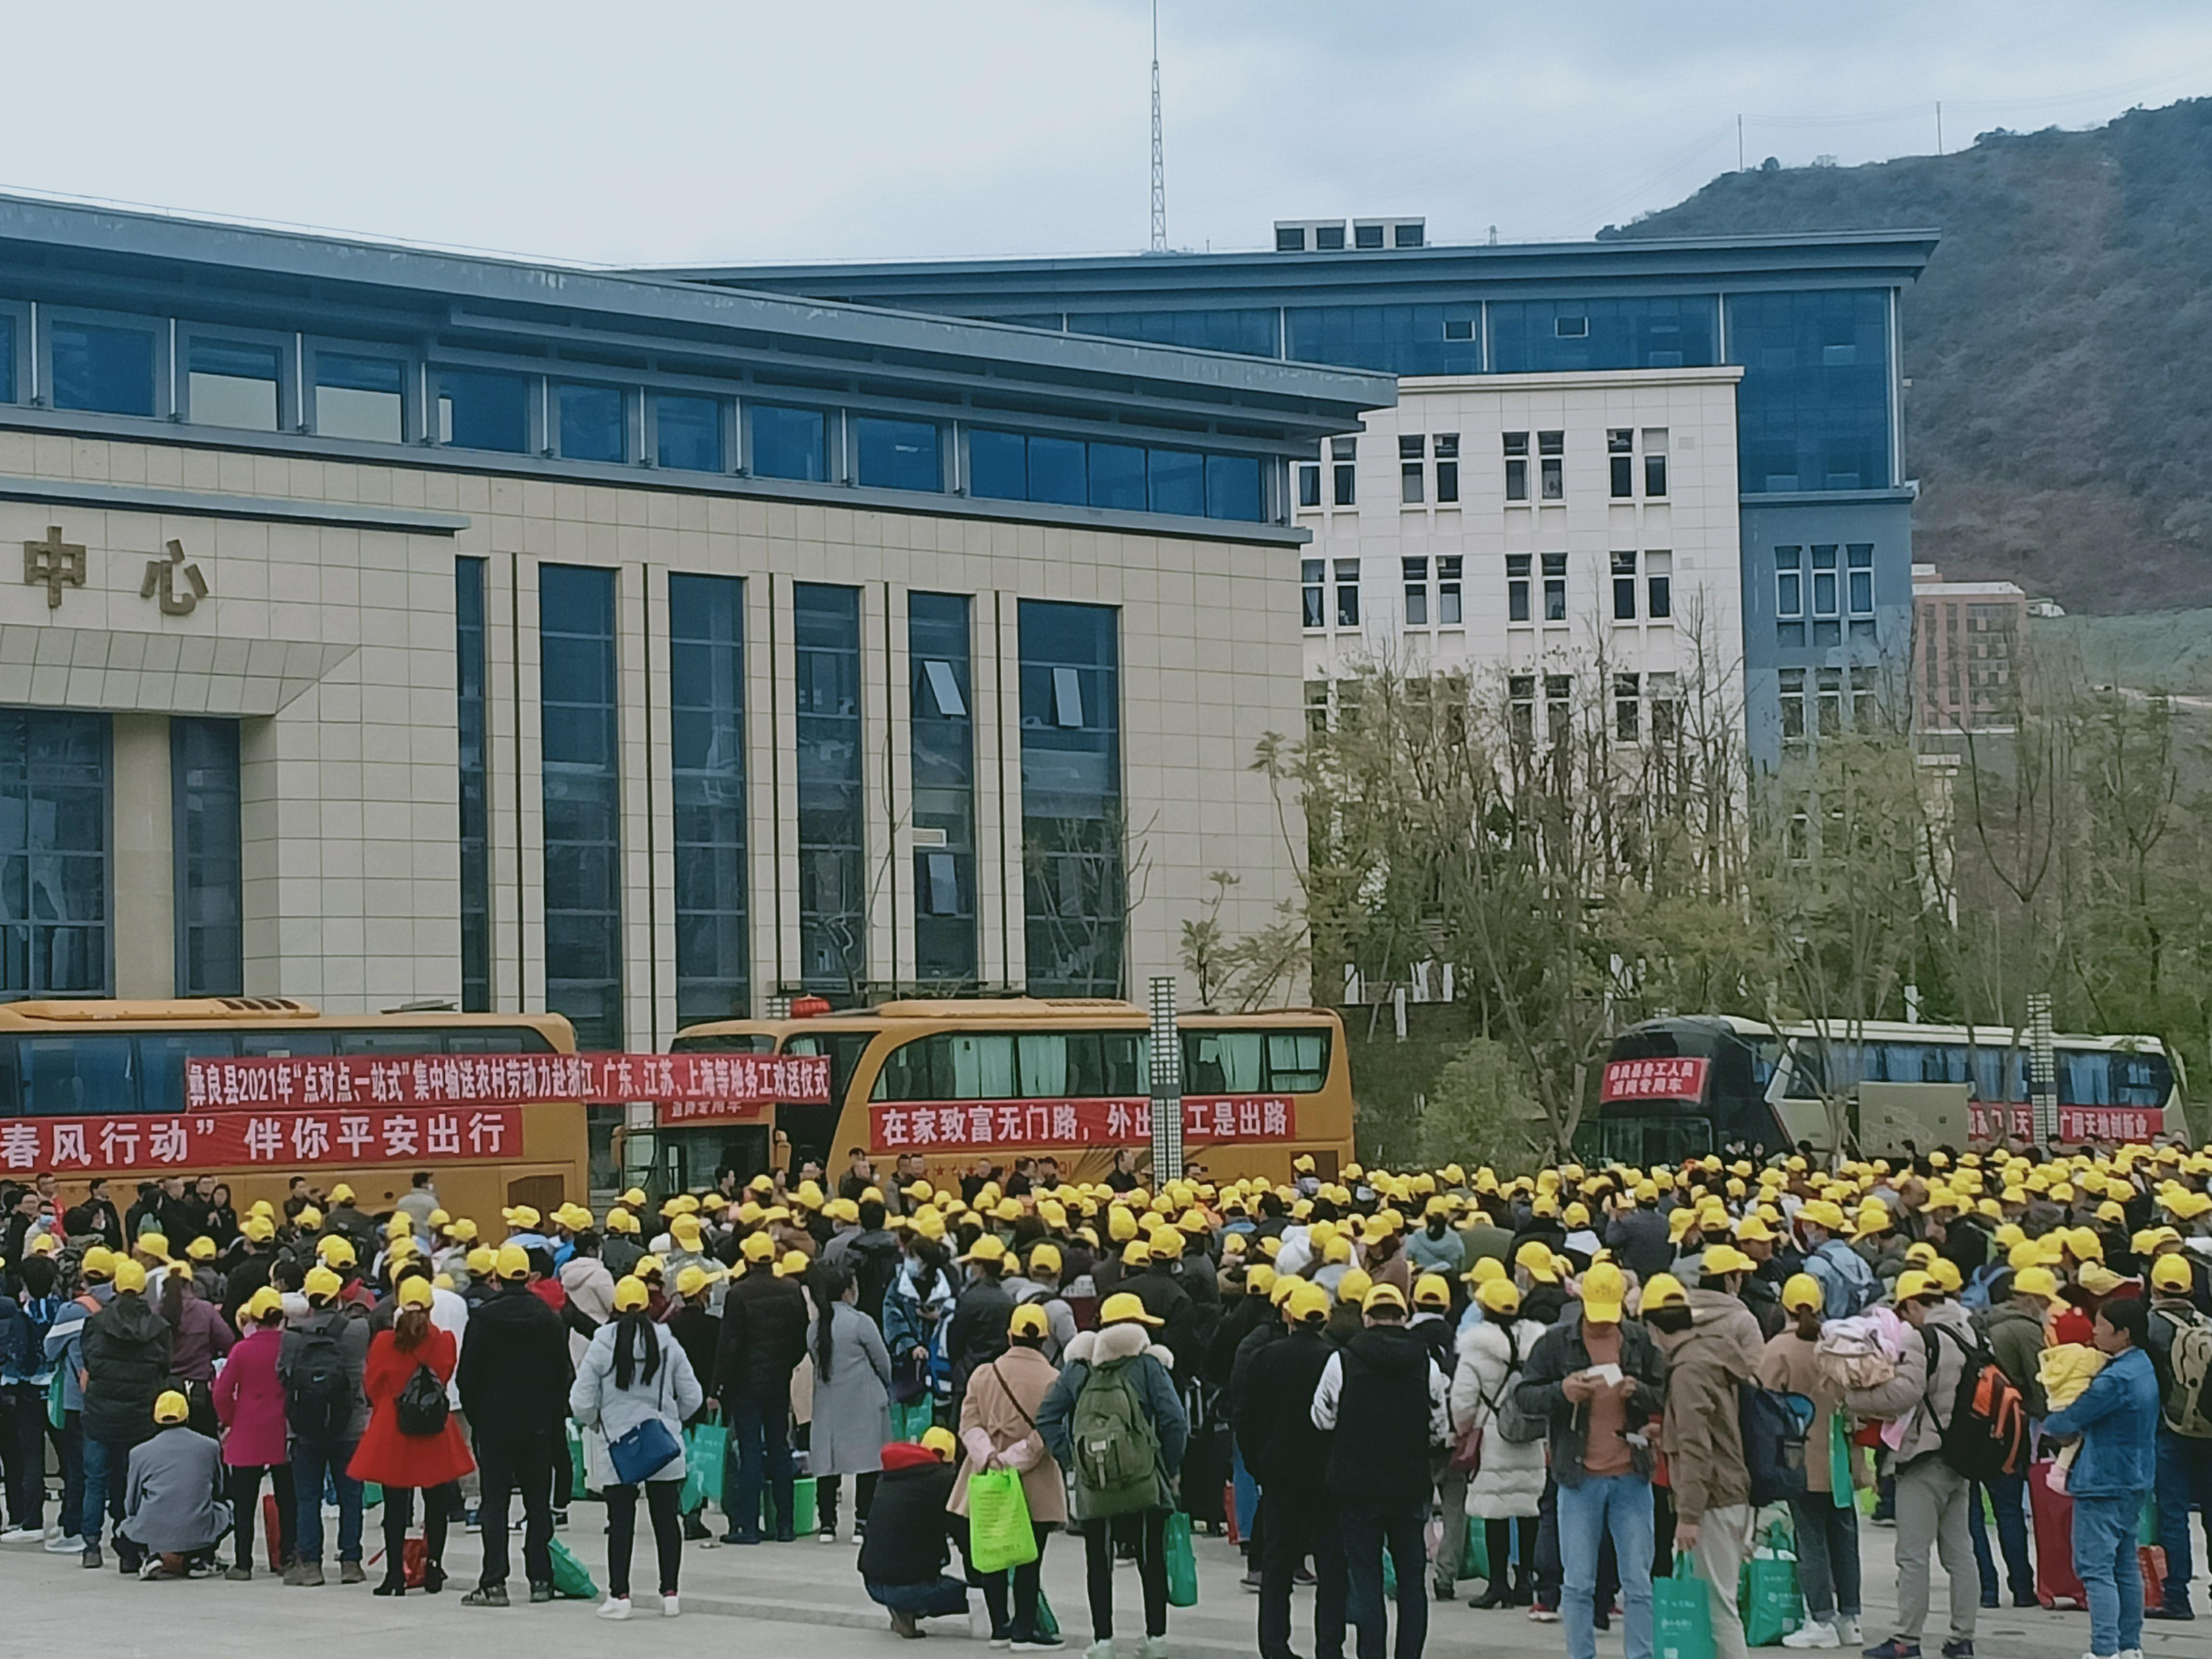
point(336, 644)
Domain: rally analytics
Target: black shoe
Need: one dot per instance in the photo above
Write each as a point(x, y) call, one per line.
point(1494, 1596)
point(560, 1517)
point(1444, 1592)
point(786, 1536)
point(1989, 1598)
point(486, 1595)
point(434, 1578)
point(2167, 1613)
point(695, 1530)
point(1962, 1649)
point(748, 1535)
point(541, 1593)
point(394, 1584)
point(2029, 1601)
point(1603, 1621)
point(91, 1557)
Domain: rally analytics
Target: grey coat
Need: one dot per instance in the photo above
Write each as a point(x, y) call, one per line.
point(169, 1507)
point(853, 1407)
point(674, 1395)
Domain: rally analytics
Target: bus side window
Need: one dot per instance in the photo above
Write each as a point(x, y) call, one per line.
point(981, 1064)
point(519, 1040)
point(1124, 1068)
point(253, 1045)
point(1048, 1064)
point(1202, 1070)
point(904, 1075)
point(1296, 1062)
point(387, 1042)
point(1229, 1062)
point(162, 1064)
point(68, 1076)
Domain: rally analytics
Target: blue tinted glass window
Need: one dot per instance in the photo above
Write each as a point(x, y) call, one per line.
point(943, 754)
point(592, 422)
point(1178, 482)
point(54, 853)
point(478, 411)
point(1813, 409)
point(788, 442)
point(1251, 332)
point(360, 397)
point(1074, 879)
point(1543, 336)
point(897, 454)
point(1057, 467)
point(583, 805)
point(706, 723)
point(998, 466)
point(1117, 476)
point(475, 801)
point(110, 370)
point(832, 872)
point(1232, 487)
point(210, 862)
point(7, 358)
point(1402, 339)
point(689, 432)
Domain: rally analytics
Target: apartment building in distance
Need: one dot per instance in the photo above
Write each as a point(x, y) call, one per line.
point(1674, 456)
point(1967, 643)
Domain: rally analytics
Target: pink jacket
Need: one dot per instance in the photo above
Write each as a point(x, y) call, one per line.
point(250, 1400)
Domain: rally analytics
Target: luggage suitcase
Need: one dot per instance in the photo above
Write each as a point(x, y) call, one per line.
point(271, 1530)
point(2057, 1583)
point(1206, 1474)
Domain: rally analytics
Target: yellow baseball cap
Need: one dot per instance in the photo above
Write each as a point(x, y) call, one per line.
point(257, 1229)
point(414, 1293)
point(989, 1248)
point(631, 1293)
point(1382, 1296)
point(1307, 1302)
point(263, 1302)
point(129, 1278)
point(1802, 1291)
point(1663, 1291)
point(322, 1285)
point(758, 1247)
point(341, 1194)
point(171, 1407)
point(482, 1261)
point(1535, 1256)
point(940, 1441)
point(794, 1263)
point(1727, 1259)
point(1353, 1287)
point(2170, 1272)
point(1499, 1296)
point(1028, 1320)
point(152, 1244)
point(335, 1252)
point(512, 1262)
point(1123, 1307)
point(1431, 1290)
point(690, 1280)
point(201, 1248)
point(1603, 1291)
point(1913, 1285)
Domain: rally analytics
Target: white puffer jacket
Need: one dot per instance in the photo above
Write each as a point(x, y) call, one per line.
point(1511, 1479)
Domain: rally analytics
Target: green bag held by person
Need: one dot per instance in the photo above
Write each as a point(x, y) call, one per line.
point(912, 1422)
point(1474, 1560)
point(1767, 1590)
point(706, 1460)
point(1183, 1562)
point(999, 1535)
point(1047, 1622)
point(571, 1578)
point(1840, 1462)
point(1681, 1617)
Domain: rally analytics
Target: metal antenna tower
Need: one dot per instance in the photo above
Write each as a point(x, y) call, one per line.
point(1159, 166)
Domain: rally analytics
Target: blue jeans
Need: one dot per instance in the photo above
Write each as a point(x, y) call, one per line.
point(941, 1600)
point(760, 1441)
point(106, 1474)
point(1619, 1504)
point(2105, 1556)
point(312, 1461)
point(2008, 1499)
point(2185, 1483)
point(1368, 1527)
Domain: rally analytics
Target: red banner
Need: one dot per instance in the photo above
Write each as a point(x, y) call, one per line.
point(1056, 1124)
point(2124, 1123)
point(675, 1113)
point(307, 1081)
point(1653, 1079)
point(223, 1140)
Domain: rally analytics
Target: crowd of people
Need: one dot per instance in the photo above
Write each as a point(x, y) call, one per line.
point(1545, 1383)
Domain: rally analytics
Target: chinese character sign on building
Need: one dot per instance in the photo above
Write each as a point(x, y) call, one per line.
point(737, 1082)
point(1055, 1125)
point(278, 1139)
point(1672, 1078)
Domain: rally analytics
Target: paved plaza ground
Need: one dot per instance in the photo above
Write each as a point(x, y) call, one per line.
point(802, 1598)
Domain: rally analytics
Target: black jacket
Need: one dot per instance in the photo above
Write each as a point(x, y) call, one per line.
point(1639, 1241)
point(764, 1337)
point(126, 1366)
point(1243, 1315)
point(977, 1334)
point(1275, 1418)
point(1380, 1447)
point(905, 1539)
point(1195, 1270)
point(696, 1332)
point(873, 1258)
point(515, 1371)
point(1560, 1353)
point(1166, 1300)
point(1247, 1353)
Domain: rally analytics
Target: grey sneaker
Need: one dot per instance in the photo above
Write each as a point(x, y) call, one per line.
point(92, 1558)
point(486, 1595)
point(350, 1572)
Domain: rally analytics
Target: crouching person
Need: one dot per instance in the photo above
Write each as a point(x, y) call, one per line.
point(907, 1545)
point(169, 1508)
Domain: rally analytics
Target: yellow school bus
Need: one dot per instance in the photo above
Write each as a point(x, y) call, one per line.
point(97, 1087)
point(960, 1083)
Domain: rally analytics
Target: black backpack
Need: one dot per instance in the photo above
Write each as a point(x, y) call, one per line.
point(1986, 1433)
point(318, 1399)
point(1775, 1425)
point(421, 1407)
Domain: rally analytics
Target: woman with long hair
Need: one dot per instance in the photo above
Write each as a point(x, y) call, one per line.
point(249, 1399)
point(636, 1386)
point(852, 1398)
point(412, 1443)
point(200, 1336)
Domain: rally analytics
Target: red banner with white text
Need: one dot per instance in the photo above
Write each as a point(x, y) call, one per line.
point(287, 1140)
point(734, 1082)
point(1055, 1125)
point(1671, 1079)
point(1992, 1121)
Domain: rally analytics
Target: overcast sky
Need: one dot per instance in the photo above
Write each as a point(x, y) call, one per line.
point(876, 129)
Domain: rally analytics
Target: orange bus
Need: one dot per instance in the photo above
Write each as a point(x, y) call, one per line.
point(97, 1087)
point(959, 1082)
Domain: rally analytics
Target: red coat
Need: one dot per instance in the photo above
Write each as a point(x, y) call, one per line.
point(250, 1399)
point(387, 1456)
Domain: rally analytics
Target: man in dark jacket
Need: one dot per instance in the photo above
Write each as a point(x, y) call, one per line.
point(977, 1334)
point(126, 1367)
point(1637, 1236)
point(1153, 1282)
point(513, 1377)
point(763, 1340)
point(1289, 1458)
point(1600, 1452)
point(905, 1551)
point(874, 1257)
point(348, 1221)
point(1386, 1400)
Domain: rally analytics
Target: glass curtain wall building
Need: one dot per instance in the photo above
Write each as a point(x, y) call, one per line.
point(707, 740)
point(1074, 875)
point(582, 749)
point(943, 695)
point(833, 912)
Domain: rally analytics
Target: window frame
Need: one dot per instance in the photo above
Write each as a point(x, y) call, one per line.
point(1413, 573)
point(1344, 578)
point(414, 418)
point(1446, 448)
point(1620, 462)
point(53, 317)
point(725, 418)
point(1659, 584)
point(833, 438)
point(1451, 590)
point(535, 396)
point(631, 395)
point(1624, 567)
point(1313, 595)
point(289, 416)
point(15, 319)
point(1554, 569)
point(1520, 590)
